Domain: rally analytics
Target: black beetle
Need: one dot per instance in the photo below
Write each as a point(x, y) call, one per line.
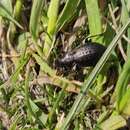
point(83, 56)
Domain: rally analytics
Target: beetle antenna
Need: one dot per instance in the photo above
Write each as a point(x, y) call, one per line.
point(87, 39)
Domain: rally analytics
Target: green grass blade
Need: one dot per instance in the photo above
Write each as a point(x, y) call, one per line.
point(124, 101)
point(22, 63)
point(94, 19)
point(66, 14)
point(39, 114)
point(34, 18)
point(124, 13)
point(93, 75)
point(6, 12)
point(34, 23)
point(18, 9)
point(113, 123)
point(44, 66)
point(121, 86)
point(124, 16)
point(8, 5)
point(52, 16)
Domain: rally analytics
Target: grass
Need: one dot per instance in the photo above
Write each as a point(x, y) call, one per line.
point(34, 94)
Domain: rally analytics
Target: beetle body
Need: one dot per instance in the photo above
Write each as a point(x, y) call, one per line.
point(83, 56)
